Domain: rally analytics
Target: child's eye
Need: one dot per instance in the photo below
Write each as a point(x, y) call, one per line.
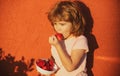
point(62, 24)
point(54, 23)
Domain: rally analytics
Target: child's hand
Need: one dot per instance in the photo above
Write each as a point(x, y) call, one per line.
point(53, 40)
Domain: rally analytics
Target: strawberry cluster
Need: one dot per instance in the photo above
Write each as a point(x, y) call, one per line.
point(45, 64)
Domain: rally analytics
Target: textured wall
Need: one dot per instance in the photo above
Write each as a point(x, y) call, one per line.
point(24, 31)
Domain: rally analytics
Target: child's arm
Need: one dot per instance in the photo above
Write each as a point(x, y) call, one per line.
point(70, 62)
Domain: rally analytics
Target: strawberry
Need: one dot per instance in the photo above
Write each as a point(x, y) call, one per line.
point(59, 36)
point(51, 62)
point(40, 63)
point(50, 67)
point(44, 67)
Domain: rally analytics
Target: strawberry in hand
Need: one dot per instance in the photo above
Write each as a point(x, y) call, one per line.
point(59, 36)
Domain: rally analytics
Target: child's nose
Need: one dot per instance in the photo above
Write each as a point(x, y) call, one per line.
point(58, 28)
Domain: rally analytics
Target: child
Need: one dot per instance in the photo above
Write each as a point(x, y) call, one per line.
point(70, 53)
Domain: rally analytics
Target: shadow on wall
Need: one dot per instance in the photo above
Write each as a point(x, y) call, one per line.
point(92, 43)
point(10, 67)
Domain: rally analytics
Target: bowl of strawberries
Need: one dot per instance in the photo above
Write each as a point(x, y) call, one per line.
point(46, 66)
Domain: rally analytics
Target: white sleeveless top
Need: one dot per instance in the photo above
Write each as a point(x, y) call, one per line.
point(71, 44)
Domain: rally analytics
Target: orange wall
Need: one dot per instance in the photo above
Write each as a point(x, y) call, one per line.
point(24, 31)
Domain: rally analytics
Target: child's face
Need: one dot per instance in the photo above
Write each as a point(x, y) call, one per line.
point(63, 27)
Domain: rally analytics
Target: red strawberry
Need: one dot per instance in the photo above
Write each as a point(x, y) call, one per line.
point(50, 67)
point(51, 62)
point(47, 65)
point(59, 36)
point(40, 63)
point(44, 67)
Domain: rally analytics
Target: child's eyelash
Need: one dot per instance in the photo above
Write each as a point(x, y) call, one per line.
point(62, 24)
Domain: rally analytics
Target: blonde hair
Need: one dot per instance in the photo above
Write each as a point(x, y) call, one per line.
point(68, 11)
